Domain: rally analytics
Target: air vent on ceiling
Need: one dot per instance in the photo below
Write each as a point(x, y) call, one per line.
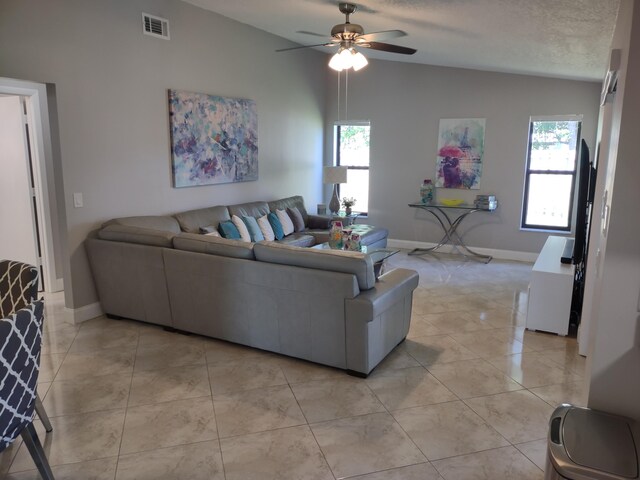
point(155, 26)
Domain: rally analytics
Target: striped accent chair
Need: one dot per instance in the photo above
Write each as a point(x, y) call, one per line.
point(20, 344)
point(19, 288)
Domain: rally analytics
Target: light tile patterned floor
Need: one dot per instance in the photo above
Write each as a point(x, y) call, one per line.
point(466, 396)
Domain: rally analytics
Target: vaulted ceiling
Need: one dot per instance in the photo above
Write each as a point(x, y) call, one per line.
point(556, 38)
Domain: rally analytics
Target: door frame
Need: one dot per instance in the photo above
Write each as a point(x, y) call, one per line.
point(38, 117)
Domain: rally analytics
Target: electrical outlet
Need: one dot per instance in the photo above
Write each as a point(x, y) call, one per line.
point(77, 200)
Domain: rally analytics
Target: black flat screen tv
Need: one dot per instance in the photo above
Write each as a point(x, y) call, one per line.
point(586, 185)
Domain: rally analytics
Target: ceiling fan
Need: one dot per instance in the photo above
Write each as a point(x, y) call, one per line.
point(347, 36)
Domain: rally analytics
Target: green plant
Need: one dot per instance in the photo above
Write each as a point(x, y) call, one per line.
point(348, 202)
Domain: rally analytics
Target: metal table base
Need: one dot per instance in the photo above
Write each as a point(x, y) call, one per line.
point(450, 227)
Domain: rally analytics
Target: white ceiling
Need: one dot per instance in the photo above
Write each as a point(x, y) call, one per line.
point(556, 38)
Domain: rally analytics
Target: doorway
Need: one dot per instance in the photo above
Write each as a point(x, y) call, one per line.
point(32, 207)
point(17, 201)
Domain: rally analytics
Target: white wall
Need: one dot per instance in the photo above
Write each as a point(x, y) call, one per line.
point(614, 359)
point(111, 86)
point(405, 103)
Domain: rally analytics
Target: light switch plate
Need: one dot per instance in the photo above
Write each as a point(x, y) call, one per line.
point(77, 200)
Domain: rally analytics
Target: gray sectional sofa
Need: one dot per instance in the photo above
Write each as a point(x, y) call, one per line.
point(325, 306)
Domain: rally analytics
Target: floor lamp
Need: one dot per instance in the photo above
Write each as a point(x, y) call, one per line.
point(334, 175)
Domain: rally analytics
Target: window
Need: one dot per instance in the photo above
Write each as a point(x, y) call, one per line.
point(352, 151)
point(551, 173)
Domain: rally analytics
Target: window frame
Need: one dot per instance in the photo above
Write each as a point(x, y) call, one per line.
point(572, 173)
point(336, 151)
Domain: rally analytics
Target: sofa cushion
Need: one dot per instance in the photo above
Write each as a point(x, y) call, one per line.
point(213, 245)
point(229, 230)
point(209, 230)
point(242, 228)
point(191, 220)
point(296, 219)
point(250, 209)
point(162, 222)
point(299, 240)
point(285, 221)
point(254, 229)
point(290, 202)
point(143, 236)
point(319, 222)
point(355, 263)
point(276, 225)
point(266, 229)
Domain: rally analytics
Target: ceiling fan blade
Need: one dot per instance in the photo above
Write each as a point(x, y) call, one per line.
point(307, 46)
point(311, 33)
point(387, 47)
point(382, 35)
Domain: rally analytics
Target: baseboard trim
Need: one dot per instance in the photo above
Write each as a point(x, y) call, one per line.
point(495, 253)
point(87, 312)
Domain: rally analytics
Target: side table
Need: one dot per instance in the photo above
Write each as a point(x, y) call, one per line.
point(449, 227)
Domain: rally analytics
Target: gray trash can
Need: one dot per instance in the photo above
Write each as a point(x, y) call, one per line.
point(585, 444)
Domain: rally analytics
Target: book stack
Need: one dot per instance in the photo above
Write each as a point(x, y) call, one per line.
point(486, 202)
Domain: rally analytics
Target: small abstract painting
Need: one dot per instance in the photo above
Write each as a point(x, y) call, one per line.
point(213, 139)
point(460, 151)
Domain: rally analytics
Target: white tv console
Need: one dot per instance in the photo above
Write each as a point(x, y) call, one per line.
point(550, 290)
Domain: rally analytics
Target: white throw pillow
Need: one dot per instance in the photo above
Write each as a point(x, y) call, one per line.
point(285, 220)
point(242, 228)
point(265, 228)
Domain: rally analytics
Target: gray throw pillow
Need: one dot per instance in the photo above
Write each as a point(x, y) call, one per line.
point(296, 218)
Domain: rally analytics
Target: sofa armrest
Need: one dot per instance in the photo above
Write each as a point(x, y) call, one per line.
point(378, 319)
point(143, 236)
point(319, 222)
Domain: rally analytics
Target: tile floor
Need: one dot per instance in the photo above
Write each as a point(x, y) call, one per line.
point(466, 396)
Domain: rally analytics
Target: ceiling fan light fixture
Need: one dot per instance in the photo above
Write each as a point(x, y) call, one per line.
point(347, 58)
point(359, 61)
point(336, 62)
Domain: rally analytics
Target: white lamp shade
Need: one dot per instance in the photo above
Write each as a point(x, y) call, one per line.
point(336, 63)
point(334, 175)
point(359, 61)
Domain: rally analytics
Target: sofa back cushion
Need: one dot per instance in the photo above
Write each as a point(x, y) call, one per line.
point(159, 222)
point(224, 247)
point(142, 236)
point(342, 261)
point(290, 202)
point(191, 220)
point(251, 209)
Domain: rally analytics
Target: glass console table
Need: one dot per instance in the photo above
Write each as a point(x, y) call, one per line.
point(450, 226)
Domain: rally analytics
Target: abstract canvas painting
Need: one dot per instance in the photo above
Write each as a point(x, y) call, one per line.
point(213, 139)
point(460, 151)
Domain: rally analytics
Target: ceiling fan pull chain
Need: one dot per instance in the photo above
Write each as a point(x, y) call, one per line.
point(346, 95)
point(339, 95)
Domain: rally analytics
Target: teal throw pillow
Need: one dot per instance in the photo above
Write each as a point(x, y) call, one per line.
point(276, 225)
point(254, 229)
point(229, 230)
